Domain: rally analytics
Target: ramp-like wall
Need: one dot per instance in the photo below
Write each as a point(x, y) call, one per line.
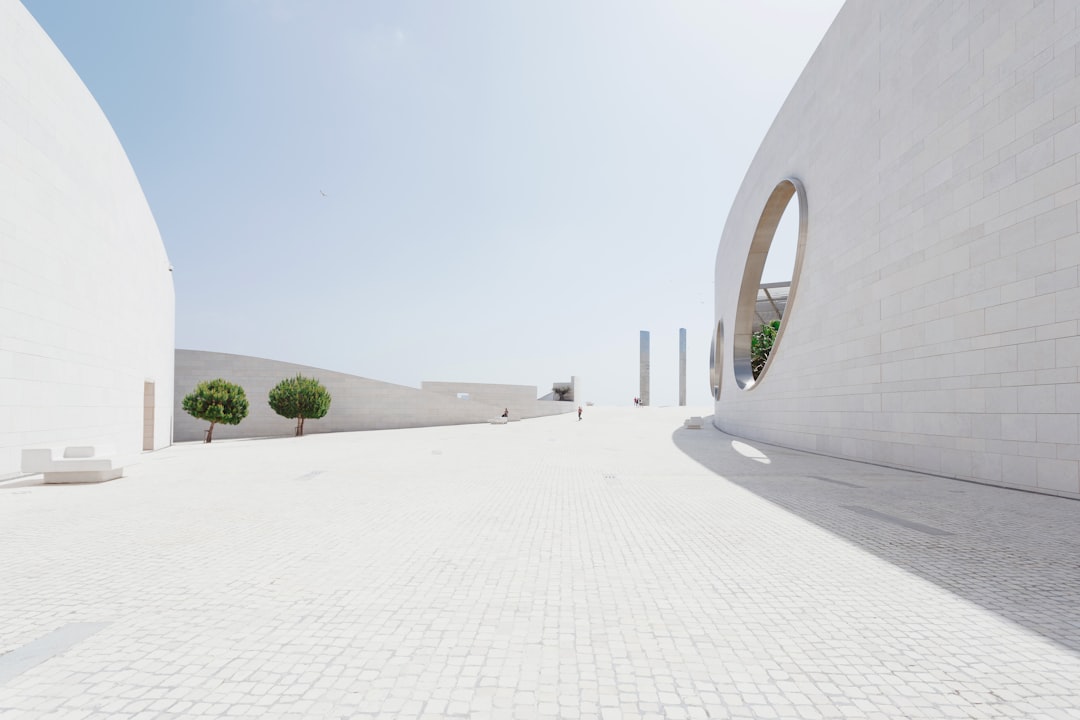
point(357, 403)
point(520, 400)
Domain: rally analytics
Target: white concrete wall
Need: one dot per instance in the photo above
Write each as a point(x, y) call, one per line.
point(520, 400)
point(86, 296)
point(357, 403)
point(935, 323)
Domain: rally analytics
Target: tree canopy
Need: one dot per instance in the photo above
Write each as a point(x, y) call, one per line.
point(761, 344)
point(300, 398)
point(216, 401)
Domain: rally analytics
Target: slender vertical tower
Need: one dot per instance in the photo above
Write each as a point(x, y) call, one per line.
point(643, 394)
point(682, 366)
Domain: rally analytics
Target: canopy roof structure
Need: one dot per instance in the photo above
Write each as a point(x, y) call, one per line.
point(771, 302)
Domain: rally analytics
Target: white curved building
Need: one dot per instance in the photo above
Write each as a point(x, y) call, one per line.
point(86, 293)
point(932, 322)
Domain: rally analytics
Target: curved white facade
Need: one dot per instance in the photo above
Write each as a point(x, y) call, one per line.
point(86, 296)
point(935, 323)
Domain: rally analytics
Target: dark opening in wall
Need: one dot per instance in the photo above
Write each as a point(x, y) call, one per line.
point(770, 278)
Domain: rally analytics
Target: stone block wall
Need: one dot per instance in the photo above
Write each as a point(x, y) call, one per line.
point(86, 293)
point(934, 324)
point(357, 403)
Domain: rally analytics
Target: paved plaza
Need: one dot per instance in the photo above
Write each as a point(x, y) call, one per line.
point(616, 567)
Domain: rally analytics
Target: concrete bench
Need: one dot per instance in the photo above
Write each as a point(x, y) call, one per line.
point(498, 421)
point(693, 423)
point(75, 464)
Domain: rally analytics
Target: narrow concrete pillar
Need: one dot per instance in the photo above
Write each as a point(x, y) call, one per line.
point(643, 393)
point(682, 366)
point(575, 390)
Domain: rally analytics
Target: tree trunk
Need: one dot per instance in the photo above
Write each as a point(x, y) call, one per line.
point(210, 433)
point(299, 425)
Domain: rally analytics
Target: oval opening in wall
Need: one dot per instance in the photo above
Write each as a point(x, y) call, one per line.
point(769, 281)
point(716, 361)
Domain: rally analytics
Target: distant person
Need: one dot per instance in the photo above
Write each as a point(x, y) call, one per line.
point(506, 413)
point(579, 412)
point(636, 401)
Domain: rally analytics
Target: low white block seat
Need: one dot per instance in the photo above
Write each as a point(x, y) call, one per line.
point(75, 464)
point(498, 421)
point(694, 423)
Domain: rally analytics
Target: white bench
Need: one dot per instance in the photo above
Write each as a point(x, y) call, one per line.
point(498, 421)
point(75, 464)
point(693, 423)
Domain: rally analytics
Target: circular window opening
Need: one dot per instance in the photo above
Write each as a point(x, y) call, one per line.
point(716, 361)
point(769, 281)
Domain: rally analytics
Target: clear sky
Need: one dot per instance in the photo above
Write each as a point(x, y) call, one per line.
point(513, 190)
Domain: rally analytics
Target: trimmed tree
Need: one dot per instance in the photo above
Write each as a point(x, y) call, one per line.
point(216, 401)
point(301, 398)
point(561, 390)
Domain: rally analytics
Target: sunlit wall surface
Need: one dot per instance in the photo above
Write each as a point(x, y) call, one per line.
point(933, 317)
point(86, 296)
point(357, 403)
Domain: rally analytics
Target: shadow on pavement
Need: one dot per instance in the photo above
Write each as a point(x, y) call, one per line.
point(1014, 553)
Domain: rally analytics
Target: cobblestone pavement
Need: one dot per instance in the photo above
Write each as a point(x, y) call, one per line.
point(616, 567)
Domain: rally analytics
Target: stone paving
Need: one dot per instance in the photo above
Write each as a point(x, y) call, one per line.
point(617, 567)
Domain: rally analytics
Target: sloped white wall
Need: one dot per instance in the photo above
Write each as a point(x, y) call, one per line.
point(357, 403)
point(86, 296)
point(935, 325)
point(520, 400)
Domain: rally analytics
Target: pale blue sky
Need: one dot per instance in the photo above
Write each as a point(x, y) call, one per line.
point(513, 190)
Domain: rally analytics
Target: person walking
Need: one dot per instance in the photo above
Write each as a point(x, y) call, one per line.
point(579, 412)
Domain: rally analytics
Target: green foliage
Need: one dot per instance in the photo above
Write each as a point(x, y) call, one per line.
point(216, 401)
point(761, 344)
point(300, 398)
